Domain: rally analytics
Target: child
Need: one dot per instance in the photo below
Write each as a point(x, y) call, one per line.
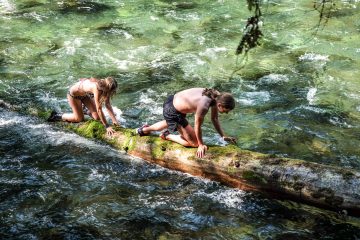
point(92, 93)
point(193, 100)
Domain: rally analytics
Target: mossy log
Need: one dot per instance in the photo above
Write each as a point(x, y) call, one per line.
point(321, 185)
point(325, 186)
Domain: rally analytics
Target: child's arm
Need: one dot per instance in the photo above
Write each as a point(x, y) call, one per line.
point(111, 112)
point(200, 113)
point(215, 120)
point(216, 123)
point(109, 130)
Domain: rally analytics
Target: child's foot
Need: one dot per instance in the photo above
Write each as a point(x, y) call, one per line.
point(54, 117)
point(140, 130)
point(86, 111)
point(164, 134)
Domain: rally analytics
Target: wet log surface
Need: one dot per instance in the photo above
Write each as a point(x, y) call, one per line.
point(325, 186)
point(321, 185)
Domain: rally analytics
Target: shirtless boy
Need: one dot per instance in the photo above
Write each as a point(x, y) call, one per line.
point(193, 100)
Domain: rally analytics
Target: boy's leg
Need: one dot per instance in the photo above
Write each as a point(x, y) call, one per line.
point(77, 115)
point(186, 138)
point(188, 134)
point(155, 127)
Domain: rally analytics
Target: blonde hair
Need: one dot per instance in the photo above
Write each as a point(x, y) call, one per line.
point(108, 87)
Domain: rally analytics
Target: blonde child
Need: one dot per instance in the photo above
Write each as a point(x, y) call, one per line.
point(91, 93)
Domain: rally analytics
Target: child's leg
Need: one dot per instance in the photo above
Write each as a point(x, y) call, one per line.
point(77, 115)
point(90, 104)
point(178, 139)
point(188, 134)
point(155, 127)
point(186, 138)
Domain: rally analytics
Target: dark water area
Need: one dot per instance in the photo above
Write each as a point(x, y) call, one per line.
point(57, 185)
point(297, 95)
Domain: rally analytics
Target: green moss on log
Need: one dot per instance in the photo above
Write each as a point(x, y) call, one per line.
point(91, 129)
point(254, 177)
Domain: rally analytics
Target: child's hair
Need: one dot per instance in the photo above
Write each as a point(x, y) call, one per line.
point(224, 98)
point(108, 86)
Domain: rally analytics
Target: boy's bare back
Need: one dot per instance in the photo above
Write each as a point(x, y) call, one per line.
point(187, 101)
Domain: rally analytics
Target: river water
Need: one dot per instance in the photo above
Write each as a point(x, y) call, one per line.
point(297, 94)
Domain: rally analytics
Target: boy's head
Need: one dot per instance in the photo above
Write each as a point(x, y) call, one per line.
point(225, 102)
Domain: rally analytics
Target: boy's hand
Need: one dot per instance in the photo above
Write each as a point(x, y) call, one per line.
point(229, 139)
point(201, 151)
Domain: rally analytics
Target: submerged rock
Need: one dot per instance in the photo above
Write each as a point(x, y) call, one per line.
point(83, 7)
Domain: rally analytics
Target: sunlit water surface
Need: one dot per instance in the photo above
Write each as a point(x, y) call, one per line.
point(298, 95)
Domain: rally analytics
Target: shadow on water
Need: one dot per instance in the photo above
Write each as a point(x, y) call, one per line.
point(115, 29)
point(83, 7)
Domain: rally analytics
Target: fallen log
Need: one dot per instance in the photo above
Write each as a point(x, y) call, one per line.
point(321, 185)
point(324, 186)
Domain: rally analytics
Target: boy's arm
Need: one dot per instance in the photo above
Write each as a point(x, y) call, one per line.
point(215, 120)
point(200, 113)
point(216, 123)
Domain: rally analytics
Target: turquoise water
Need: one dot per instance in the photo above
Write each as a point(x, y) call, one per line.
point(297, 95)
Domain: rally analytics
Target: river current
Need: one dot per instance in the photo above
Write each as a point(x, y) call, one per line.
point(297, 94)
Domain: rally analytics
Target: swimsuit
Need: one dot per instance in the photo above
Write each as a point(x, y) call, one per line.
point(87, 95)
point(173, 117)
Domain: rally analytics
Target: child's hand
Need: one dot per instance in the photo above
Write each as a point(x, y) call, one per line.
point(201, 151)
point(230, 139)
point(109, 131)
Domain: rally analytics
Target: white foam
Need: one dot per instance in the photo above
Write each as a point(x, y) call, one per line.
point(6, 7)
point(122, 64)
point(5, 122)
point(339, 122)
point(201, 40)
point(35, 16)
point(313, 109)
point(254, 98)
point(353, 95)
point(306, 107)
point(95, 175)
point(310, 96)
point(71, 46)
point(273, 79)
point(127, 35)
point(212, 52)
point(152, 105)
point(118, 114)
point(313, 57)
point(231, 198)
point(154, 18)
point(183, 17)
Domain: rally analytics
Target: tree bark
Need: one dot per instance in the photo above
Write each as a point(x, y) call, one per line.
point(316, 184)
point(324, 186)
